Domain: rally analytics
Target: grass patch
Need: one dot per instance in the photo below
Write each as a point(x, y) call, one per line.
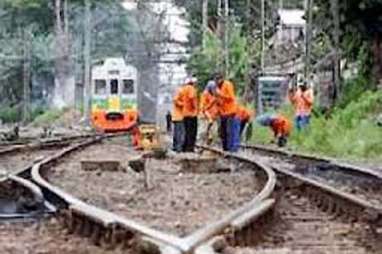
point(350, 133)
point(48, 117)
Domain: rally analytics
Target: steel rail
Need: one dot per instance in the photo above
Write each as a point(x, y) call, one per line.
point(248, 222)
point(82, 213)
point(311, 157)
point(326, 187)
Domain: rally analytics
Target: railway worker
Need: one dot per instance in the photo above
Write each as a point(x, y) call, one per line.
point(177, 120)
point(226, 103)
point(280, 125)
point(208, 109)
point(190, 114)
point(302, 100)
point(244, 114)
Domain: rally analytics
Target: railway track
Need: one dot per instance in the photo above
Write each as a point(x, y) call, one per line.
point(310, 215)
point(299, 214)
point(112, 230)
point(363, 185)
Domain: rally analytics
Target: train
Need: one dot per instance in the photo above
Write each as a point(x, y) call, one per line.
point(114, 101)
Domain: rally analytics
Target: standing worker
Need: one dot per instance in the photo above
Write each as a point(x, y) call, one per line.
point(208, 109)
point(280, 126)
point(178, 121)
point(226, 103)
point(302, 100)
point(190, 113)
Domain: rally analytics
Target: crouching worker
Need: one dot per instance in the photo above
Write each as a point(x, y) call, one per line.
point(280, 126)
point(244, 115)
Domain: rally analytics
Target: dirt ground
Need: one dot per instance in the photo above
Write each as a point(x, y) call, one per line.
point(175, 201)
point(13, 162)
point(45, 237)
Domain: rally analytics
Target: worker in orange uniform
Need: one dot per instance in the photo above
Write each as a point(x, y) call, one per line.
point(135, 132)
point(190, 114)
point(226, 103)
point(177, 120)
point(244, 114)
point(280, 125)
point(302, 100)
point(208, 108)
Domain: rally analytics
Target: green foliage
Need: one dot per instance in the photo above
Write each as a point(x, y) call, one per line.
point(206, 61)
point(350, 132)
point(48, 117)
point(354, 87)
point(10, 114)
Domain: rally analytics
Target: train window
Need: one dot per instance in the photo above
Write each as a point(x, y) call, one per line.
point(100, 87)
point(114, 86)
point(128, 86)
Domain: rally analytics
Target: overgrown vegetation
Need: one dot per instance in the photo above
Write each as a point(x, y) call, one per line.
point(206, 61)
point(351, 132)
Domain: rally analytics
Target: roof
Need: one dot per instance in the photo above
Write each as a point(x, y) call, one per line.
point(292, 17)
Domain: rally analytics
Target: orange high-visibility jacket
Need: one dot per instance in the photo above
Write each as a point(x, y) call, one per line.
point(302, 101)
point(281, 126)
point(177, 107)
point(190, 96)
point(243, 113)
point(226, 99)
point(208, 106)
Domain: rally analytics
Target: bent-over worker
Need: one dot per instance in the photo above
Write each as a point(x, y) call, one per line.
point(279, 124)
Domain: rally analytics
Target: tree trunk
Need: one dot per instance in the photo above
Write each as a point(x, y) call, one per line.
point(337, 59)
point(87, 61)
point(226, 37)
point(262, 61)
point(377, 53)
point(26, 77)
point(64, 83)
point(205, 21)
point(308, 37)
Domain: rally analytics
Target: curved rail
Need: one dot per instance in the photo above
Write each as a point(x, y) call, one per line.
point(112, 229)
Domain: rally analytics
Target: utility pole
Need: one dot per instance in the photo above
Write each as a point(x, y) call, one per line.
point(337, 60)
point(262, 34)
point(308, 36)
point(87, 62)
point(205, 21)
